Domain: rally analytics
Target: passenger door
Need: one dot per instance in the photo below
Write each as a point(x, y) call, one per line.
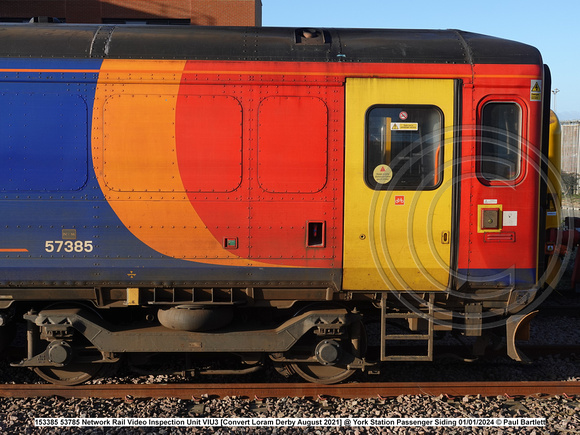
point(398, 184)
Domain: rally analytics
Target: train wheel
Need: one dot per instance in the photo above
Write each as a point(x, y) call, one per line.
point(333, 355)
point(71, 374)
point(313, 372)
point(74, 372)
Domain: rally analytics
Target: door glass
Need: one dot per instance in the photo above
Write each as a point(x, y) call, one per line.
point(404, 147)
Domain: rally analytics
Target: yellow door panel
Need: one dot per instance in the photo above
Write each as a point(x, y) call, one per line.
point(398, 184)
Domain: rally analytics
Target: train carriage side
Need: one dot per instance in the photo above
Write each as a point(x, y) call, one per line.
point(260, 193)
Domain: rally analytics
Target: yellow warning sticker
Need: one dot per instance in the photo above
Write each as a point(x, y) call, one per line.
point(383, 174)
point(408, 126)
point(536, 90)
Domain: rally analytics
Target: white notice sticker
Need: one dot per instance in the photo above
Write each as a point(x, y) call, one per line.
point(510, 218)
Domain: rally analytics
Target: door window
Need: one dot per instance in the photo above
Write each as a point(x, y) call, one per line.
point(404, 147)
point(500, 151)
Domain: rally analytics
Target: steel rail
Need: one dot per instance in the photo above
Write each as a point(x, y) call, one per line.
point(262, 391)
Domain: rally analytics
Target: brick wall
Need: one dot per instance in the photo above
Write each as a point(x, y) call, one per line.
point(226, 12)
point(199, 12)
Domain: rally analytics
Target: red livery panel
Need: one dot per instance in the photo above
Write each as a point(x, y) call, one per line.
point(271, 158)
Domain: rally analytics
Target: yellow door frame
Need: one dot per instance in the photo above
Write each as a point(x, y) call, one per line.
point(396, 239)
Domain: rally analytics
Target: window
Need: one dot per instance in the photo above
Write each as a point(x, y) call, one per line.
point(404, 147)
point(500, 152)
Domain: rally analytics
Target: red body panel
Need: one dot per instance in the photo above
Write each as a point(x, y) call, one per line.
point(519, 250)
point(285, 169)
point(283, 165)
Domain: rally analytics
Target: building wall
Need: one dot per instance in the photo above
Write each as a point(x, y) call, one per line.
point(198, 12)
point(571, 149)
point(571, 146)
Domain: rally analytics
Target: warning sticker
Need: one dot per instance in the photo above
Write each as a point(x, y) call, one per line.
point(407, 126)
point(383, 174)
point(536, 90)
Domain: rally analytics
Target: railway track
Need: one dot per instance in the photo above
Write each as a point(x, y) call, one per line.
point(262, 391)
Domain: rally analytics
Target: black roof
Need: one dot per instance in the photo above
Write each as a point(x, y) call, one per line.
point(259, 43)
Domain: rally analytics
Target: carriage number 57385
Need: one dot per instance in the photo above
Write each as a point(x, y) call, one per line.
point(68, 246)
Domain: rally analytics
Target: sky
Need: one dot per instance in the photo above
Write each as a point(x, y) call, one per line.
point(553, 27)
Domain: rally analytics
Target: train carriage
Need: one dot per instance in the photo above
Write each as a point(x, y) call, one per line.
point(265, 192)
